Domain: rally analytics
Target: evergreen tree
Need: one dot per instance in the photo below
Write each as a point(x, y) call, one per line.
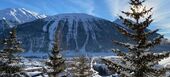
point(81, 67)
point(139, 61)
point(57, 63)
point(8, 55)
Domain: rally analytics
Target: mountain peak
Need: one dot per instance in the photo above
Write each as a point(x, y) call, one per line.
point(73, 16)
point(20, 15)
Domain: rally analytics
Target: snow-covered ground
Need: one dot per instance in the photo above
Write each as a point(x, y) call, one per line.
point(165, 62)
point(35, 66)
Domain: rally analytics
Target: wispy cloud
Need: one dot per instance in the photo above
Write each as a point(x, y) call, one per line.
point(87, 5)
point(161, 15)
point(116, 6)
point(161, 12)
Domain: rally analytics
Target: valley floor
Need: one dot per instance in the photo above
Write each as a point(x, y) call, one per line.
point(36, 66)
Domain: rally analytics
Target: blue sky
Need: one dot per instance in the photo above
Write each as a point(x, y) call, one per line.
point(107, 9)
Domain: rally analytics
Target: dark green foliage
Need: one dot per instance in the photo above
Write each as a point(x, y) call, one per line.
point(57, 63)
point(8, 55)
point(139, 61)
point(6, 68)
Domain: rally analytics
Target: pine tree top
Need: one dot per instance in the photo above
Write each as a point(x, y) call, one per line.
point(11, 44)
point(56, 63)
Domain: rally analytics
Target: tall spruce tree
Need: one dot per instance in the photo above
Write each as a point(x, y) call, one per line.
point(57, 63)
point(9, 58)
point(139, 61)
point(81, 67)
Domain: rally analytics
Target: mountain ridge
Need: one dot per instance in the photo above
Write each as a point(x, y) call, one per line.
point(72, 32)
point(79, 32)
point(20, 12)
point(15, 16)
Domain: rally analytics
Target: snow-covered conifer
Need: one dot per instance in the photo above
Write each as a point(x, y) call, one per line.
point(56, 63)
point(139, 61)
point(9, 59)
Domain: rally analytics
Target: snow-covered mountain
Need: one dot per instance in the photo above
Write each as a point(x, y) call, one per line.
point(15, 16)
point(78, 32)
